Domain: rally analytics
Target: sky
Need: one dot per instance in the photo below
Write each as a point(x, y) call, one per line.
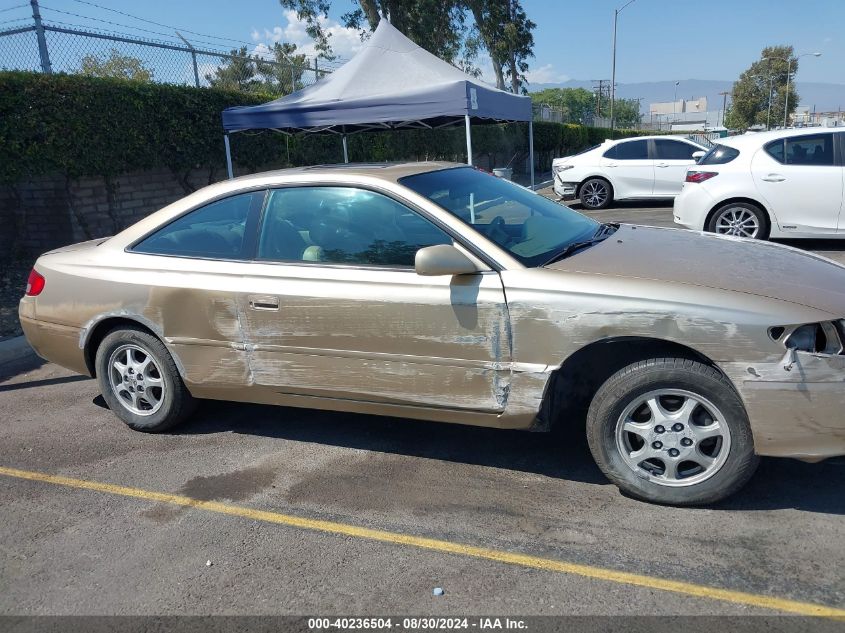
point(657, 40)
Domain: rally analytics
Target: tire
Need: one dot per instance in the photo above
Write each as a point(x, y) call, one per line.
point(595, 193)
point(139, 381)
point(741, 219)
point(692, 396)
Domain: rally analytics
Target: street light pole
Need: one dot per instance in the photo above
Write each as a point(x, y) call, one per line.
point(788, 72)
point(674, 103)
point(616, 13)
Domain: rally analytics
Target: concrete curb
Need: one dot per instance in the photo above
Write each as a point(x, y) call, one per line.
point(14, 349)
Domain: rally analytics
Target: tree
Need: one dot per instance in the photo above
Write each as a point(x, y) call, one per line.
point(579, 106)
point(116, 66)
point(238, 73)
point(283, 73)
point(500, 27)
point(277, 73)
point(626, 112)
point(752, 103)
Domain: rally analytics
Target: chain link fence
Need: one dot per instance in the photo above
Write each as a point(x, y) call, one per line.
point(268, 71)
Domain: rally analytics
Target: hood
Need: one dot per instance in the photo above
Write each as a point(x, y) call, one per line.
point(713, 261)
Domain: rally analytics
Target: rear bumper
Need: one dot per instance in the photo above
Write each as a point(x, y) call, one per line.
point(53, 342)
point(692, 206)
point(800, 413)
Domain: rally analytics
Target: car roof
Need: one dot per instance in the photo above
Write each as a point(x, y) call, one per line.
point(755, 139)
point(391, 172)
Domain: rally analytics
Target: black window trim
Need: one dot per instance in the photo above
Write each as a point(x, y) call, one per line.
point(647, 141)
point(652, 147)
point(838, 148)
point(251, 239)
point(476, 252)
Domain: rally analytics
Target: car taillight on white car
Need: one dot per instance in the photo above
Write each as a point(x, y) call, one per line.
point(557, 169)
point(700, 176)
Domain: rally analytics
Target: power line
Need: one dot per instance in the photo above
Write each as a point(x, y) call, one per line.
point(167, 26)
point(12, 8)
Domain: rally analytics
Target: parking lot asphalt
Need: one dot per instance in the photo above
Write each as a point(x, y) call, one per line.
point(302, 512)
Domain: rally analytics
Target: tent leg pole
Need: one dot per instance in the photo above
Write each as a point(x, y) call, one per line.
point(345, 150)
point(228, 156)
point(531, 150)
point(469, 140)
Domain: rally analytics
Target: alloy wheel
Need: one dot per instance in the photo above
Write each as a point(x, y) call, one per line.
point(136, 379)
point(594, 194)
point(673, 437)
point(738, 221)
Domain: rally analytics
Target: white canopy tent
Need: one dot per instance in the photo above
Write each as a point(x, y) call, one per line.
point(391, 83)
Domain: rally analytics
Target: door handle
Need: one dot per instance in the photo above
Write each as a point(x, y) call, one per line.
point(263, 302)
point(662, 165)
point(611, 165)
point(773, 178)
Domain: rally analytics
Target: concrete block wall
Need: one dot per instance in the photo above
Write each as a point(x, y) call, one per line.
point(46, 212)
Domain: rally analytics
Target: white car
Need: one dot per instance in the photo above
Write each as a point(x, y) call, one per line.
point(782, 184)
point(642, 168)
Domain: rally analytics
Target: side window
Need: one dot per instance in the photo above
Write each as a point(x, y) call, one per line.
point(775, 150)
point(342, 225)
point(216, 230)
point(810, 150)
point(632, 150)
point(667, 149)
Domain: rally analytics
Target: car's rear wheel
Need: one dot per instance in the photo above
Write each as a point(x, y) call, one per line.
point(671, 431)
point(139, 381)
point(595, 193)
point(741, 219)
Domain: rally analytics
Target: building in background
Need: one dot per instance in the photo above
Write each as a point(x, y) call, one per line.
point(683, 115)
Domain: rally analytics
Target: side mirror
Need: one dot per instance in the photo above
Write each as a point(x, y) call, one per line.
point(443, 259)
point(697, 156)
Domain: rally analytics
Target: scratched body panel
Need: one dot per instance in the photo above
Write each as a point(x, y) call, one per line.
point(380, 335)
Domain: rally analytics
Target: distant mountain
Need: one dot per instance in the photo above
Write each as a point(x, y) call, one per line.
point(824, 96)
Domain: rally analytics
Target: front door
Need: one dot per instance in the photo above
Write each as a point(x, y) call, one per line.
point(672, 159)
point(334, 308)
point(630, 169)
point(800, 182)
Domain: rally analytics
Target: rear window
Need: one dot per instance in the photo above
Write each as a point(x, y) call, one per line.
point(628, 150)
point(719, 155)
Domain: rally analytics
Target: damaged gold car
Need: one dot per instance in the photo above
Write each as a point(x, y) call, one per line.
point(437, 292)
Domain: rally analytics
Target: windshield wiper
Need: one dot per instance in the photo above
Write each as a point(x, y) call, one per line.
point(604, 231)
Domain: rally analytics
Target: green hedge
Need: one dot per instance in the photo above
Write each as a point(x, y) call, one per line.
point(84, 126)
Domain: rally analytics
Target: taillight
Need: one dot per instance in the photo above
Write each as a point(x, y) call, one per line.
point(35, 284)
point(700, 176)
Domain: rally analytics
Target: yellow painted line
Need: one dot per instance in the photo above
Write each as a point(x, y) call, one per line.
point(510, 558)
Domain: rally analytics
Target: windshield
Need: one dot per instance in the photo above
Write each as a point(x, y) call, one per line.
point(530, 227)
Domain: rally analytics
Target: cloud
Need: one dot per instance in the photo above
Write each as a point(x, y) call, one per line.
point(345, 42)
point(545, 74)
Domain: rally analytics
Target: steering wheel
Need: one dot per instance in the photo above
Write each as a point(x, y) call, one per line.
point(497, 232)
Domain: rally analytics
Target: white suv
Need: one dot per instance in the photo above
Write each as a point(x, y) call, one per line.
point(785, 183)
point(642, 168)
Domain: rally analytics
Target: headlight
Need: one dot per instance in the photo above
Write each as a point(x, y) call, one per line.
point(556, 169)
point(817, 338)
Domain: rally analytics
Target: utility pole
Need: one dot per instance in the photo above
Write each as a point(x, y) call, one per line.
point(600, 90)
point(724, 105)
point(46, 67)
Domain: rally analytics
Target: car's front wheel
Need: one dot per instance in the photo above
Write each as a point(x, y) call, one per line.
point(139, 381)
point(595, 193)
point(672, 431)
